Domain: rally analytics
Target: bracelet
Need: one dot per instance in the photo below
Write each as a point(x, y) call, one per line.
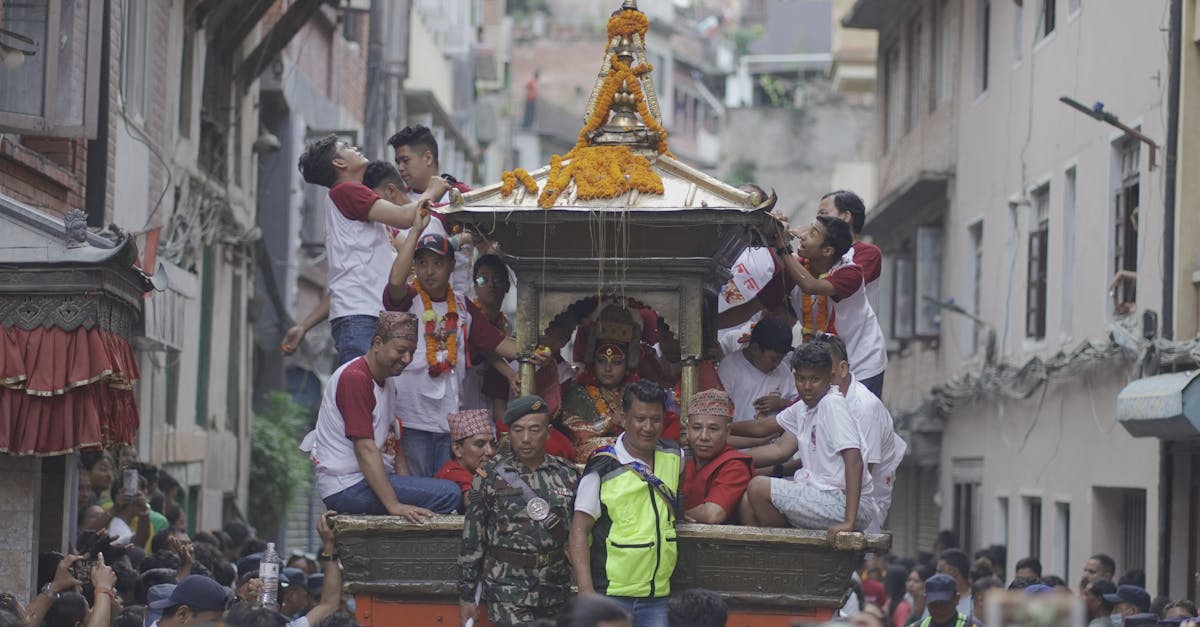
point(107, 591)
point(328, 557)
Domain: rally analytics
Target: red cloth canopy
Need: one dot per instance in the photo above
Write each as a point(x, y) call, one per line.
point(65, 390)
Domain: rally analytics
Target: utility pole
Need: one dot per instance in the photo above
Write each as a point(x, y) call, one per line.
point(376, 95)
point(397, 59)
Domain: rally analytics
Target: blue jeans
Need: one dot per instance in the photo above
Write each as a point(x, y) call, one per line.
point(645, 612)
point(352, 336)
point(425, 451)
point(438, 495)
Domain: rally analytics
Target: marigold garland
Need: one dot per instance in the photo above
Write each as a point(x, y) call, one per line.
point(814, 316)
point(628, 23)
point(434, 342)
point(509, 180)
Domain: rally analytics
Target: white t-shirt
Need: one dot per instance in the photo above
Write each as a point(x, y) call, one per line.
point(746, 383)
point(886, 447)
point(752, 270)
point(587, 494)
point(854, 320)
point(360, 253)
point(822, 433)
point(353, 405)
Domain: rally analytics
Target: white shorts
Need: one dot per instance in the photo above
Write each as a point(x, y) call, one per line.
point(808, 507)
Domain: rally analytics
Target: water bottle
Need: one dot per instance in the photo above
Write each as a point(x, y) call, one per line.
point(268, 572)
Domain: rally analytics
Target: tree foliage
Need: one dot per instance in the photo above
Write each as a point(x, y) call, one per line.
point(277, 466)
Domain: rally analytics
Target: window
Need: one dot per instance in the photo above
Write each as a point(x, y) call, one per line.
point(983, 44)
point(928, 281)
point(1035, 290)
point(912, 75)
point(1031, 526)
point(975, 234)
point(1125, 226)
point(1066, 324)
point(967, 475)
point(1001, 534)
point(1018, 15)
point(133, 58)
point(942, 47)
point(1133, 546)
point(891, 91)
point(1045, 24)
point(902, 325)
point(186, 88)
point(50, 89)
point(1061, 560)
point(233, 372)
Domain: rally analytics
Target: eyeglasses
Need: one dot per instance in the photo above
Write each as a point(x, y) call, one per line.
point(494, 281)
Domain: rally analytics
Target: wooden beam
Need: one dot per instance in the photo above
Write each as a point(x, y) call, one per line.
point(231, 34)
point(275, 40)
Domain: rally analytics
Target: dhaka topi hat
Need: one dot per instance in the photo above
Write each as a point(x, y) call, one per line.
point(465, 424)
point(401, 324)
point(524, 406)
point(711, 403)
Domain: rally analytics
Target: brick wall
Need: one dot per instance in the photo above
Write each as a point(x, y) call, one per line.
point(53, 180)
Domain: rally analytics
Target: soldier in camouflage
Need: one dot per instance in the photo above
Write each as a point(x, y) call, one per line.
point(515, 530)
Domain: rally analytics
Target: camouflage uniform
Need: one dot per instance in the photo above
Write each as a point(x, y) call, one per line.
point(522, 565)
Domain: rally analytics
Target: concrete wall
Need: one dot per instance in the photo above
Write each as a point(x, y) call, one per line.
point(19, 524)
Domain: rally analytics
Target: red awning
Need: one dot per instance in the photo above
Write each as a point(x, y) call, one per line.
point(65, 390)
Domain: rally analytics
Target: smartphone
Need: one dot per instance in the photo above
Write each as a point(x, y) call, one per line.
point(130, 482)
point(82, 570)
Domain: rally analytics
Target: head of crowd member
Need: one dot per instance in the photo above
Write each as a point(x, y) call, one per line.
point(825, 240)
point(249, 615)
point(610, 364)
point(528, 421)
point(770, 342)
point(841, 360)
point(1094, 600)
point(697, 607)
point(100, 471)
point(168, 486)
point(394, 341)
point(195, 598)
point(644, 404)
point(914, 584)
point(845, 206)
point(491, 280)
point(998, 554)
point(1058, 583)
point(1028, 567)
point(416, 155)
point(239, 534)
point(710, 414)
point(812, 368)
point(954, 563)
point(433, 262)
point(1182, 608)
point(472, 438)
point(1133, 577)
point(329, 161)
point(293, 592)
point(1129, 600)
point(384, 179)
point(593, 610)
point(1020, 583)
point(946, 539)
point(176, 518)
point(69, 609)
point(1099, 566)
point(92, 518)
point(558, 334)
point(980, 588)
point(941, 598)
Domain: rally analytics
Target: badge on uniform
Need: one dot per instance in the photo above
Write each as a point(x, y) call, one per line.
point(537, 508)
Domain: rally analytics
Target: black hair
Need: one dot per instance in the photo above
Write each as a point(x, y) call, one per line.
point(316, 164)
point(1107, 563)
point(1098, 589)
point(587, 611)
point(983, 584)
point(697, 608)
point(1055, 581)
point(132, 616)
point(246, 615)
point(252, 546)
point(161, 559)
point(1133, 577)
point(89, 459)
point(159, 542)
point(1020, 583)
point(127, 578)
point(338, 619)
point(958, 560)
point(999, 553)
point(416, 136)
point(812, 356)
point(173, 513)
point(837, 235)
point(645, 391)
point(67, 610)
point(380, 172)
point(979, 571)
point(150, 578)
point(948, 539)
point(166, 482)
point(837, 347)
point(847, 201)
point(224, 572)
point(492, 261)
point(238, 532)
point(204, 537)
point(895, 584)
point(148, 471)
point(1032, 563)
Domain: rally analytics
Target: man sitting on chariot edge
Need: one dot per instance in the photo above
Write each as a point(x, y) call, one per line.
point(716, 475)
point(829, 490)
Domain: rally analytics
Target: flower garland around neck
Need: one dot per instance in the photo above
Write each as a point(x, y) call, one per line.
point(441, 348)
point(814, 317)
point(591, 385)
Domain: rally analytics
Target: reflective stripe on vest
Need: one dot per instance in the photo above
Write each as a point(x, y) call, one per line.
point(640, 547)
point(961, 621)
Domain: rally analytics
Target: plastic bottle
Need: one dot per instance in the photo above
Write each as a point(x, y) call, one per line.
point(268, 572)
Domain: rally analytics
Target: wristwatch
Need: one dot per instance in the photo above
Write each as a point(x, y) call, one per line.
point(48, 589)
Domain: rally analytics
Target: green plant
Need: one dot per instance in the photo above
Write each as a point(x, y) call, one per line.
point(743, 37)
point(277, 465)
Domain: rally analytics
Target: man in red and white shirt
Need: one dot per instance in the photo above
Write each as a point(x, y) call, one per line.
point(357, 240)
point(849, 208)
point(450, 324)
point(360, 469)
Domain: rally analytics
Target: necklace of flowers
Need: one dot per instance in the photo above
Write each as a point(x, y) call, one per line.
point(815, 315)
point(441, 350)
point(592, 386)
point(501, 323)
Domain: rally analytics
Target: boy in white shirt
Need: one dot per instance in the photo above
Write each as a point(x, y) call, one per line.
point(828, 491)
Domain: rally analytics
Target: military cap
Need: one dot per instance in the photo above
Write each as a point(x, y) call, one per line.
point(523, 406)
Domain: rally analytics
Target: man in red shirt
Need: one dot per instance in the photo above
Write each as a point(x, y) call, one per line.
point(717, 476)
point(848, 207)
point(472, 443)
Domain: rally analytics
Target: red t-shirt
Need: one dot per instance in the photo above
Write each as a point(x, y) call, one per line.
point(846, 280)
point(453, 471)
point(482, 336)
point(870, 259)
point(355, 398)
point(353, 200)
point(721, 481)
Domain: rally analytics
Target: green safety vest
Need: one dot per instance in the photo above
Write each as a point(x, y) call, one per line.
point(633, 546)
point(961, 621)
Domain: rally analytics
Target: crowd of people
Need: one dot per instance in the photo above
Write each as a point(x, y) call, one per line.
point(947, 587)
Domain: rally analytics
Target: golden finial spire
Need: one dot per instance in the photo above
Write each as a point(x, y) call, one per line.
point(630, 5)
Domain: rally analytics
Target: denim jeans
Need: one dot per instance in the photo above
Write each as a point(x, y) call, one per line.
point(425, 451)
point(352, 336)
point(439, 495)
point(875, 384)
point(645, 612)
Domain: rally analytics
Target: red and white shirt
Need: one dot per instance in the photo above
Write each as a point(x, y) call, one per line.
point(353, 405)
point(870, 259)
point(854, 319)
point(751, 273)
point(423, 402)
point(360, 251)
